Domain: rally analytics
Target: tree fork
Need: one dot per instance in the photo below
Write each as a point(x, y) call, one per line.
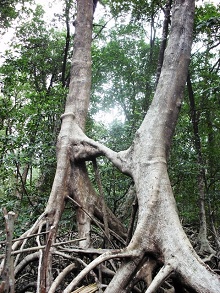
point(146, 161)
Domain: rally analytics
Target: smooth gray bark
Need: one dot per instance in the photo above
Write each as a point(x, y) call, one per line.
point(159, 233)
point(159, 240)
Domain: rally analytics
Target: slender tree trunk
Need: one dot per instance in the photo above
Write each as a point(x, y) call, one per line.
point(164, 38)
point(76, 109)
point(204, 246)
point(7, 284)
point(66, 50)
point(71, 178)
point(212, 174)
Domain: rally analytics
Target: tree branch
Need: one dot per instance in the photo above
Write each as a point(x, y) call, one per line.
point(120, 159)
point(41, 247)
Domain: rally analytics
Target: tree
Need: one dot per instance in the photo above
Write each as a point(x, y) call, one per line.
point(159, 247)
point(183, 165)
point(29, 127)
point(9, 11)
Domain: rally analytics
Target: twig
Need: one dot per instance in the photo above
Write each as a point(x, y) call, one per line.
point(30, 236)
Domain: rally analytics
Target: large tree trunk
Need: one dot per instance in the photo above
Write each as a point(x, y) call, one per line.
point(159, 242)
point(159, 236)
point(71, 178)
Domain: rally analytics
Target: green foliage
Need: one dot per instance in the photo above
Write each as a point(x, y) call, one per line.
point(7, 12)
point(123, 79)
point(32, 101)
point(139, 10)
point(207, 18)
point(10, 10)
point(124, 70)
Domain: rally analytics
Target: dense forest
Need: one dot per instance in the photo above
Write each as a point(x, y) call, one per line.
point(109, 146)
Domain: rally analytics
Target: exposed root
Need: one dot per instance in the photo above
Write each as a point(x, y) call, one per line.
point(60, 277)
point(146, 271)
point(163, 274)
point(29, 258)
point(106, 256)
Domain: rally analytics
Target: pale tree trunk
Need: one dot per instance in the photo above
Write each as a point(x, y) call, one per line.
point(159, 236)
point(159, 242)
point(212, 172)
point(71, 178)
point(77, 104)
point(8, 281)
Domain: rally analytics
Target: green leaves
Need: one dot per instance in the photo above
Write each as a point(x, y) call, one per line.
point(32, 101)
point(207, 22)
point(9, 11)
point(124, 73)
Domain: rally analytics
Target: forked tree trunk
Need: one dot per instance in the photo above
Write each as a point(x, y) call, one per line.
point(159, 242)
point(159, 236)
point(71, 178)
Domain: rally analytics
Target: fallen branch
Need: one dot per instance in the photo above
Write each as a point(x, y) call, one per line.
point(23, 238)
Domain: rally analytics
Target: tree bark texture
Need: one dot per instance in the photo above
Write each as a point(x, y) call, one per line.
point(8, 281)
point(71, 178)
point(159, 235)
point(158, 242)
